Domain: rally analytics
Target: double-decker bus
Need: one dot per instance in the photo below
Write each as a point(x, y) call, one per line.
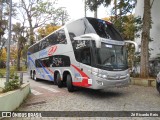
point(87, 52)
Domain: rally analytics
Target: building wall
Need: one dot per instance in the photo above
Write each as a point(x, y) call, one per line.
point(155, 30)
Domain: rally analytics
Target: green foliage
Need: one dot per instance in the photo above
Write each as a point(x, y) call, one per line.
point(94, 4)
point(14, 81)
point(11, 85)
point(128, 26)
point(1, 75)
point(2, 64)
point(2, 72)
point(124, 7)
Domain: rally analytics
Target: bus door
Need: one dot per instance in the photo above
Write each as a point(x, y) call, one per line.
point(85, 66)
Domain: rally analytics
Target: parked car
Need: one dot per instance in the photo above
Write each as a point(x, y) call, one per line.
point(158, 82)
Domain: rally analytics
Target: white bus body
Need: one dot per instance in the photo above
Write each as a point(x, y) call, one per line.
point(86, 53)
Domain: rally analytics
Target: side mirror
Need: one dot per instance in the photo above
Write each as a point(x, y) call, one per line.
point(135, 45)
point(90, 36)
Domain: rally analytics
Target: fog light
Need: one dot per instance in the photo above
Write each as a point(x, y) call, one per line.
point(104, 76)
point(99, 82)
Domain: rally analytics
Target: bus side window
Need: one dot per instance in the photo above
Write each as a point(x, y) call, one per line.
point(86, 56)
point(61, 37)
point(38, 63)
point(82, 52)
point(36, 48)
point(72, 35)
point(46, 63)
point(52, 39)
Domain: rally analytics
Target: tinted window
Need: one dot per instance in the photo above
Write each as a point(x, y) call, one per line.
point(38, 63)
point(31, 50)
point(58, 37)
point(44, 44)
point(82, 51)
point(53, 38)
point(54, 61)
point(61, 38)
point(105, 29)
point(60, 61)
point(43, 62)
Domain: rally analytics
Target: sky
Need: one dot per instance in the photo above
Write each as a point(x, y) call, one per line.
point(75, 9)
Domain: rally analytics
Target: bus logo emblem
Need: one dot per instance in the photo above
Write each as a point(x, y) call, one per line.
point(51, 50)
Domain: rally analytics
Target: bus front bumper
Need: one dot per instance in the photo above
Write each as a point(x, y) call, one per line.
point(105, 83)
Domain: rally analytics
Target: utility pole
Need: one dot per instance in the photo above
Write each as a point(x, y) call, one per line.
point(1, 11)
point(8, 45)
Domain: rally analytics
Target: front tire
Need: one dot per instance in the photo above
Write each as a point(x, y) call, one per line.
point(59, 81)
point(70, 87)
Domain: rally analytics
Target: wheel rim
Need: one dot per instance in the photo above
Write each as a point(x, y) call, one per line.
point(34, 77)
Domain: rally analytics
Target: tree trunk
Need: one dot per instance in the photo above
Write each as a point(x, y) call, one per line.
point(18, 56)
point(95, 13)
point(115, 4)
point(1, 9)
point(31, 33)
point(144, 72)
point(85, 10)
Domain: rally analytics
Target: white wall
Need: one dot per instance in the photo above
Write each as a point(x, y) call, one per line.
point(155, 31)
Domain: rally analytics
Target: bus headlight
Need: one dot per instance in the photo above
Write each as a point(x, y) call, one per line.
point(100, 75)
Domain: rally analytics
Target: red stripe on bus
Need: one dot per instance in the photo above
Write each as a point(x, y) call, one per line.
point(52, 50)
point(48, 68)
point(84, 82)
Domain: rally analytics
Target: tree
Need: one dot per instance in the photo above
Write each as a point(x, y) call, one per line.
point(3, 24)
point(3, 58)
point(94, 4)
point(60, 17)
point(128, 25)
point(21, 40)
point(44, 31)
point(144, 71)
point(121, 9)
point(36, 13)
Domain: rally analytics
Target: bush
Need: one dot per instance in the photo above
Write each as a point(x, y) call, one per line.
point(11, 85)
point(1, 75)
point(2, 64)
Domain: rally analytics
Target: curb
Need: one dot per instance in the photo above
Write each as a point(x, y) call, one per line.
point(143, 82)
point(11, 100)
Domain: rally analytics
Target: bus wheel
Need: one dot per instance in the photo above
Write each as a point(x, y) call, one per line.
point(34, 76)
point(31, 75)
point(59, 82)
point(69, 83)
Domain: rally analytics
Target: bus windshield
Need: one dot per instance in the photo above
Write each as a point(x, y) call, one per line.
point(105, 29)
point(111, 57)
